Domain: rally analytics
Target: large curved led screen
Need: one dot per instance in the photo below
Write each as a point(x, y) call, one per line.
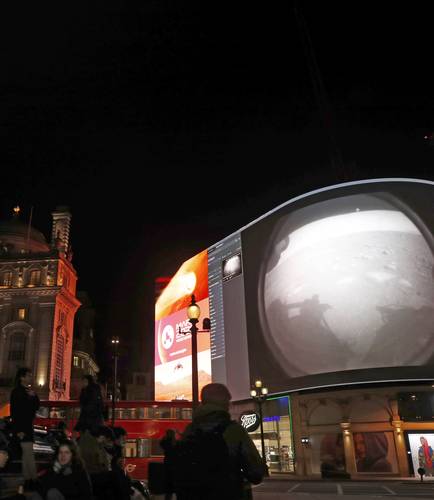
point(333, 287)
point(339, 284)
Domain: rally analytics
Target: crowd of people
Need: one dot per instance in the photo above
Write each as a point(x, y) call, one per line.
point(213, 459)
point(88, 467)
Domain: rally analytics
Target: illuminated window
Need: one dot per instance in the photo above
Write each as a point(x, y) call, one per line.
point(7, 278)
point(35, 277)
point(17, 349)
point(21, 313)
point(75, 360)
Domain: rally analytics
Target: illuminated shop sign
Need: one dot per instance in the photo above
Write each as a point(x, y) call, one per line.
point(250, 421)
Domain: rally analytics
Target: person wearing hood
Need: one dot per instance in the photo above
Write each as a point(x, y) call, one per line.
point(371, 452)
point(243, 464)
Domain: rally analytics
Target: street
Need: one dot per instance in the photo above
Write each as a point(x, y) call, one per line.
point(279, 489)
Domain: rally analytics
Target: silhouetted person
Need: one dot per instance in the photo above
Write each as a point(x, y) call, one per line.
point(24, 404)
point(91, 406)
point(168, 445)
point(235, 461)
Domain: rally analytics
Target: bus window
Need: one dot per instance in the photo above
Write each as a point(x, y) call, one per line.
point(143, 448)
point(140, 413)
point(131, 448)
point(58, 413)
point(43, 412)
point(156, 449)
point(186, 413)
point(162, 412)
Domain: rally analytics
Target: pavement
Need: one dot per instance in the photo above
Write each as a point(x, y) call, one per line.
point(370, 488)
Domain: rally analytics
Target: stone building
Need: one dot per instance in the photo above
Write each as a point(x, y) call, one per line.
point(83, 349)
point(37, 304)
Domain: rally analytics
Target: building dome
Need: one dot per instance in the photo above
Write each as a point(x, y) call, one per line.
point(16, 237)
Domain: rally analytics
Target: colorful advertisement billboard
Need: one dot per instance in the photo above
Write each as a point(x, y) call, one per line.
point(333, 287)
point(422, 454)
point(173, 363)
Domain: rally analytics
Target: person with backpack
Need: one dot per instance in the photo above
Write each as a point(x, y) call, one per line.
point(215, 458)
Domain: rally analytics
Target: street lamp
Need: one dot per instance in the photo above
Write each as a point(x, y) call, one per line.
point(259, 393)
point(115, 345)
point(193, 313)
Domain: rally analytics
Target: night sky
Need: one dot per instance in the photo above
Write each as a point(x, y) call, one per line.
point(167, 125)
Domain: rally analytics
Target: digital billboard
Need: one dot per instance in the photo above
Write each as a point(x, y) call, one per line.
point(333, 287)
point(340, 286)
point(173, 365)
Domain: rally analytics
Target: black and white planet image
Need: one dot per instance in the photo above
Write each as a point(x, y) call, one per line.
point(352, 288)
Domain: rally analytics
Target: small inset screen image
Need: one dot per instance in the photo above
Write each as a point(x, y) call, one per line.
point(232, 267)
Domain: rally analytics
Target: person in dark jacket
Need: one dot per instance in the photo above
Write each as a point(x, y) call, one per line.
point(245, 465)
point(4, 457)
point(91, 406)
point(168, 444)
point(24, 404)
point(66, 479)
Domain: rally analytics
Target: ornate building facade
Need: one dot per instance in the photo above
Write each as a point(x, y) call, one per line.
point(37, 304)
point(83, 349)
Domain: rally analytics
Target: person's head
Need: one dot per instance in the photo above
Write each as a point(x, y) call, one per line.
point(61, 426)
point(88, 380)
point(423, 441)
point(23, 377)
point(103, 434)
point(67, 453)
point(120, 436)
point(217, 394)
point(4, 456)
point(359, 445)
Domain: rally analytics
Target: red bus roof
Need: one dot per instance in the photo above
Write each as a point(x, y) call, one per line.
point(123, 404)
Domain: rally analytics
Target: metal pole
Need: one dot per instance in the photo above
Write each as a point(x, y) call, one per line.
point(195, 374)
point(264, 458)
point(115, 383)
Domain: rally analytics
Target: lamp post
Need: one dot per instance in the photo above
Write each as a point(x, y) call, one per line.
point(259, 393)
point(115, 344)
point(193, 313)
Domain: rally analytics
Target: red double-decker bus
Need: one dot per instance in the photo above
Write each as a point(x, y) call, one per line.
point(146, 422)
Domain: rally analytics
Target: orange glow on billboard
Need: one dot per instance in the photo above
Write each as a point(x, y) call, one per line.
point(173, 366)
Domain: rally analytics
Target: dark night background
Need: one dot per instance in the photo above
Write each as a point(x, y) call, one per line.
point(167, 125)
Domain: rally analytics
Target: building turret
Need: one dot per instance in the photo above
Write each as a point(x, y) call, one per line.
point(60, 230)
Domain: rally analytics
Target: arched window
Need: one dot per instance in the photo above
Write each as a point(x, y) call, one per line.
point(35, 277)
point(17, 347)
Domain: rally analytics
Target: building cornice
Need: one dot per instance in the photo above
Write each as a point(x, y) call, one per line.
point(70, 299)
point(42, 291)
point(87, 357)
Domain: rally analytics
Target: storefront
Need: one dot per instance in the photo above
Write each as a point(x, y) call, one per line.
point(277, 426)
point(383, 431)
